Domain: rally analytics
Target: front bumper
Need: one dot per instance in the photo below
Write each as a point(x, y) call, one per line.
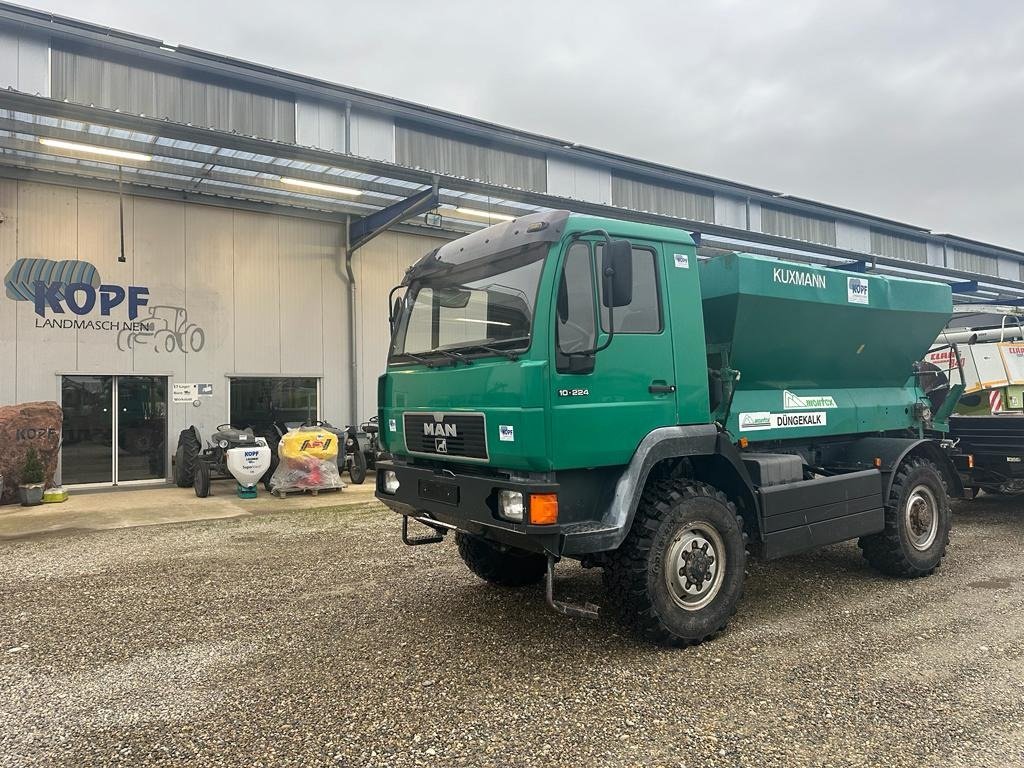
point(471, 505)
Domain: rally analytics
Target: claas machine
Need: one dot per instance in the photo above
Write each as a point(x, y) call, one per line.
point(569, 387)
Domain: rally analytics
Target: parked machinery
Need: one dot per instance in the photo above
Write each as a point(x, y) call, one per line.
point(197, 466)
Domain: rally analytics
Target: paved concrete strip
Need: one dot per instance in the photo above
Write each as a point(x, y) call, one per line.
point(128, 508)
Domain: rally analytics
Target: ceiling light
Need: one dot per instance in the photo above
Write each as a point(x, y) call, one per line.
point(95, 150)
point(485, 214)
point(321, 187)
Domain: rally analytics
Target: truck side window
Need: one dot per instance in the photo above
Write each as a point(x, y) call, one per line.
point(643, 314)
point(575, 313)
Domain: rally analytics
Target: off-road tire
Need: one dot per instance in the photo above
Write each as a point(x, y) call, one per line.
point(639, 597)
point(891, 550)
point(357, 467)
point(201, 481)
point(504, 566)
point(185, 458)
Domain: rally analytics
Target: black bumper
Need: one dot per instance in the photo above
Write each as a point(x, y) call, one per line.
point(469, 503)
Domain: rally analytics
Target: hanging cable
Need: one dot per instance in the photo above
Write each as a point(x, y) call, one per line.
point(120, 205)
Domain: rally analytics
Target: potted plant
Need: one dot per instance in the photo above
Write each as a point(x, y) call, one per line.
point(30, 490)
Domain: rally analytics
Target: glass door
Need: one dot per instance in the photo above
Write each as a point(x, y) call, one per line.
point(115, 429)
point(87, 452)
point(141, 428)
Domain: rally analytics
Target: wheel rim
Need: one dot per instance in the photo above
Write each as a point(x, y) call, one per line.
point(695, 566)
point(921, 515)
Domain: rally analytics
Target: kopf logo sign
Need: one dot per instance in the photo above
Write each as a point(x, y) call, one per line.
point(69, 285)
point(81, 298)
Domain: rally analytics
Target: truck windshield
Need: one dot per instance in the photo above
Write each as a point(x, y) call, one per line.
point(484, 303)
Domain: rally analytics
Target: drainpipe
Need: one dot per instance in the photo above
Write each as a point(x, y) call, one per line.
point(353, 340)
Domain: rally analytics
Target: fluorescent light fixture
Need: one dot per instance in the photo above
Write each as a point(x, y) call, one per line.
point(92, 149)
point(475, 320)
point(320, 187)
point(485, 214)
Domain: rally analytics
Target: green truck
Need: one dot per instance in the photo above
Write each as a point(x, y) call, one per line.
point(566, 386)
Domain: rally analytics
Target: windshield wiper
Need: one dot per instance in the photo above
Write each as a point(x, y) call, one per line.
point(510, 354)
point(418, 359)
point(453, 355)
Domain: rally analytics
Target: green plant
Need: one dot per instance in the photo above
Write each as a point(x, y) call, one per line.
point(32, 470)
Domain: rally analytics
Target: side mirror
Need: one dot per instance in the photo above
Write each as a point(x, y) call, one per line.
point(617, 273)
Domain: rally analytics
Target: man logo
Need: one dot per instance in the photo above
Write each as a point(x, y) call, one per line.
point(441, 444)
point(440, 430)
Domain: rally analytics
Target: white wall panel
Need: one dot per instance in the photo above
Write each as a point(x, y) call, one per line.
point(24, 62)
point(854, 237)
point(257, 294)
point(209, 267)
point(48, 229)
point(8, 308)
point(320, 124)
point(579, 182)
point(158, 263)
point(301, 252)
point(373, 136)
point(731, 211)
point(99, 243)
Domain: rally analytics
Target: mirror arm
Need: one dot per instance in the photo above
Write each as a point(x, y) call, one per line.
point(603, 234)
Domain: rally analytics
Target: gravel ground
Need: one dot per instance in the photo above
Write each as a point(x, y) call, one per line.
point(316, 638)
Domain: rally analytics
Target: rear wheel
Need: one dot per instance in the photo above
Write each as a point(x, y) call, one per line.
point(201, 482)
point(357, 468)
point(917, 523)
point(497, 564)
point(678, 576)
point(185, 457)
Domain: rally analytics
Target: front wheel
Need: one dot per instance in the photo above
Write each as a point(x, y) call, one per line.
point(504, 566)
point(357, 468)
point(917, 523)
point(201, 480)
point(678, 576)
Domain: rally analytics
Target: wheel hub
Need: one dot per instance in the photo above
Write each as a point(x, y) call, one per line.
point(921, 517)
point(695, 566)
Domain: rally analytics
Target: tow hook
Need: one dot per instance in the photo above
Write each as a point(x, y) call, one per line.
point(585, 611)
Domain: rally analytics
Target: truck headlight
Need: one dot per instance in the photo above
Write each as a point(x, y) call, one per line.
point(510, 505)
point(390, 482)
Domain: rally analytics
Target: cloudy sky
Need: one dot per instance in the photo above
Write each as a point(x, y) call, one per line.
point(910, 110)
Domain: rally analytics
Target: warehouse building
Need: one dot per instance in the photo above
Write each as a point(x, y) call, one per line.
point(192, 239)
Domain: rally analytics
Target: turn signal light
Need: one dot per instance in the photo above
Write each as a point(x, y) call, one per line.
point(878, 461)
point(543, 508)
point(970, 461)
point(744, 442)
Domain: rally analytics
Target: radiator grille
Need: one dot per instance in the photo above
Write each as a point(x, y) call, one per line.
point(463, 435)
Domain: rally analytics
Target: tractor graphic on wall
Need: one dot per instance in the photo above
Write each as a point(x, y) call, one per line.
point(167, 329)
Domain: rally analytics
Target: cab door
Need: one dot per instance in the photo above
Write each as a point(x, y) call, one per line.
point(602, 405)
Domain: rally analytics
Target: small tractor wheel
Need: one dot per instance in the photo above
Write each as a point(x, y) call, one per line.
point(504, 566)
point(917, 523)
point(357, 469)
point(185, 457)
point(678, 576)
point(201, 483)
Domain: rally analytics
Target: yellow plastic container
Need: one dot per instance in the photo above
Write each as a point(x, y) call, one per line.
point(309, 443)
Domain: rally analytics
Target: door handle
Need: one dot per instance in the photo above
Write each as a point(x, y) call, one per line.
point(661, 389)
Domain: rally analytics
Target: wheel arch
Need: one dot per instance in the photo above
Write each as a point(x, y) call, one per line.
point(894, 452)
point(714, 459)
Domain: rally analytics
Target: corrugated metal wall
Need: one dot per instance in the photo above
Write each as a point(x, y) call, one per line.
point(444, 154)
point(87, 79)
point(775, 221)
point(642, 196)
point(896, 247)
point(970, 261)
point(24, 62)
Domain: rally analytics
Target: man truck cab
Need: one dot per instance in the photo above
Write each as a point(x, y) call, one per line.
point(565, 386)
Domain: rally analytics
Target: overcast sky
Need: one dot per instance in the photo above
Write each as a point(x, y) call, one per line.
point(911, 110)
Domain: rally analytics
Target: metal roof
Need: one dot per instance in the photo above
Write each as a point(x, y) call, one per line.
point(212, 64)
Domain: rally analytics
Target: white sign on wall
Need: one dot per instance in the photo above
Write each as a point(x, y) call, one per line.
point(184, 393)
